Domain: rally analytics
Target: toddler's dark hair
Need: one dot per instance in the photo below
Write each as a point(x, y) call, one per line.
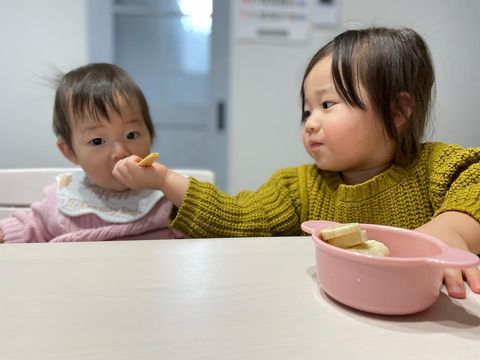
point(385, 63)
point(93, 89)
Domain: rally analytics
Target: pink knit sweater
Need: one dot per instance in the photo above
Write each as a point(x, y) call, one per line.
point(46, 224)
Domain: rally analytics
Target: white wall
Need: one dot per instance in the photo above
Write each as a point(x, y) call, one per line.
point(264, 113)
point(265, 107)
point(37, 38)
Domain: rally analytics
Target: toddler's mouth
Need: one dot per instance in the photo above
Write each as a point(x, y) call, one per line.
point(315, 144)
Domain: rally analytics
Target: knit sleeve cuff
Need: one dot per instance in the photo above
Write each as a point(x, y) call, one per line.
point(465, 201)
point(12, 230)
point(184, 218)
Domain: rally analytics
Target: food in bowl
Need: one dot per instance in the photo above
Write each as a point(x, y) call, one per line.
point(352, 238)
point(370, 247)
point(407, 281)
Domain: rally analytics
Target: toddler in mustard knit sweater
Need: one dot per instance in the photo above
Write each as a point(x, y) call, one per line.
point(366, 99)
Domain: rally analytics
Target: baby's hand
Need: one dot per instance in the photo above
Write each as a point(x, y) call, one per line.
point(128, 172)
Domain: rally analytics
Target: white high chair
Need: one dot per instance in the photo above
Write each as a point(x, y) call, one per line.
point(20, 187)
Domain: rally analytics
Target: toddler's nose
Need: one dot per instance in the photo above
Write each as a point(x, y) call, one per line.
point(311, 125)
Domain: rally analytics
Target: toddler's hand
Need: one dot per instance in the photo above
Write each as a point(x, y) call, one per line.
point(455, 284)
point(129, 173)
point(461, 231)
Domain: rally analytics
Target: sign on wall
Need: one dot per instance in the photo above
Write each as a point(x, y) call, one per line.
point(272, 19)
point(281, 20)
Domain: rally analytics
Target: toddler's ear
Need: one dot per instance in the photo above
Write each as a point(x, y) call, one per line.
point(402, 109)
point(66, 151)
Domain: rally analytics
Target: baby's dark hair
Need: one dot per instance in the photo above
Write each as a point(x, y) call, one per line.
point(385, 64)
point(93, 89)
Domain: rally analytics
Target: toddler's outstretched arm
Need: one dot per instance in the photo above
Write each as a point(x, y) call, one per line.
point(461, 231)
point(154, 177)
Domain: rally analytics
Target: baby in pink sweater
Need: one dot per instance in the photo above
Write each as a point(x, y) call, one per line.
point(100, 116)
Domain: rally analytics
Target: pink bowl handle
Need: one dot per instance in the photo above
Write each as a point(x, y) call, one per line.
point(454, 258)
point(311, 226)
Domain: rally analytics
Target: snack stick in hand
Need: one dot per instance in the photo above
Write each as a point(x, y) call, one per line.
point(149, 159)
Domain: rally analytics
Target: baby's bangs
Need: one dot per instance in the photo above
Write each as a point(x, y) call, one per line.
point(96, 102)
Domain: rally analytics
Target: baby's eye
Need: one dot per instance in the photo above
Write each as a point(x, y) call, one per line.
point(133, 135)
point(305, 115)
point(327, 104)
point(97, 141)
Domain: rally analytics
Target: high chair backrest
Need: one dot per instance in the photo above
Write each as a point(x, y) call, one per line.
point(21, 187)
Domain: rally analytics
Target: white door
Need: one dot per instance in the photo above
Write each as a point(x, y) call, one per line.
point(179, 58)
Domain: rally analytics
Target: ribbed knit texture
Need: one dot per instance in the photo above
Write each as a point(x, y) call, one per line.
point(444, 178)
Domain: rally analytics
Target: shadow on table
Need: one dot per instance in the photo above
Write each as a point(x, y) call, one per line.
point(446, 314)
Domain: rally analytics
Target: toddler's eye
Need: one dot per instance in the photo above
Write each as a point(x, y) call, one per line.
point(133, 135)
point(327, 104)
point(305, 115)
point(97, 141)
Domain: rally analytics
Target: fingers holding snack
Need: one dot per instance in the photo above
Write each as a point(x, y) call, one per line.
point(149, 159)
point(135, 174)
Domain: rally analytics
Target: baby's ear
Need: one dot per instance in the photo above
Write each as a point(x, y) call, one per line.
point(402, 109)
point(66, 151)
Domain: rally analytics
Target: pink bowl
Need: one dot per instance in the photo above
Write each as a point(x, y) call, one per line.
point(407, 281)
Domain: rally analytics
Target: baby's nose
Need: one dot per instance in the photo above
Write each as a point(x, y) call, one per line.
point(119, 151)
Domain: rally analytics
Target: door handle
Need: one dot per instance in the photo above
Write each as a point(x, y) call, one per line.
point(220, 115)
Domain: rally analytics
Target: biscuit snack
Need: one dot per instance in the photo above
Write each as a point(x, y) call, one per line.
point(351, 237)
point(370, 247)
point(344, 235)
point(149, 159)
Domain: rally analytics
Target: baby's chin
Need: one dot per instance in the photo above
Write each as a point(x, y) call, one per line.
point(118, 187)
point(114, 186)
point(121, 189)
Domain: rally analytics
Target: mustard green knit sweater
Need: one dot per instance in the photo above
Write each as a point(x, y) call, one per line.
point(445, 177)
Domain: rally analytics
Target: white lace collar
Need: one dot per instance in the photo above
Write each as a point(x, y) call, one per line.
point(76, 195)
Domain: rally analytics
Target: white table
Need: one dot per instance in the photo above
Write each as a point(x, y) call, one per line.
point(246, 298)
